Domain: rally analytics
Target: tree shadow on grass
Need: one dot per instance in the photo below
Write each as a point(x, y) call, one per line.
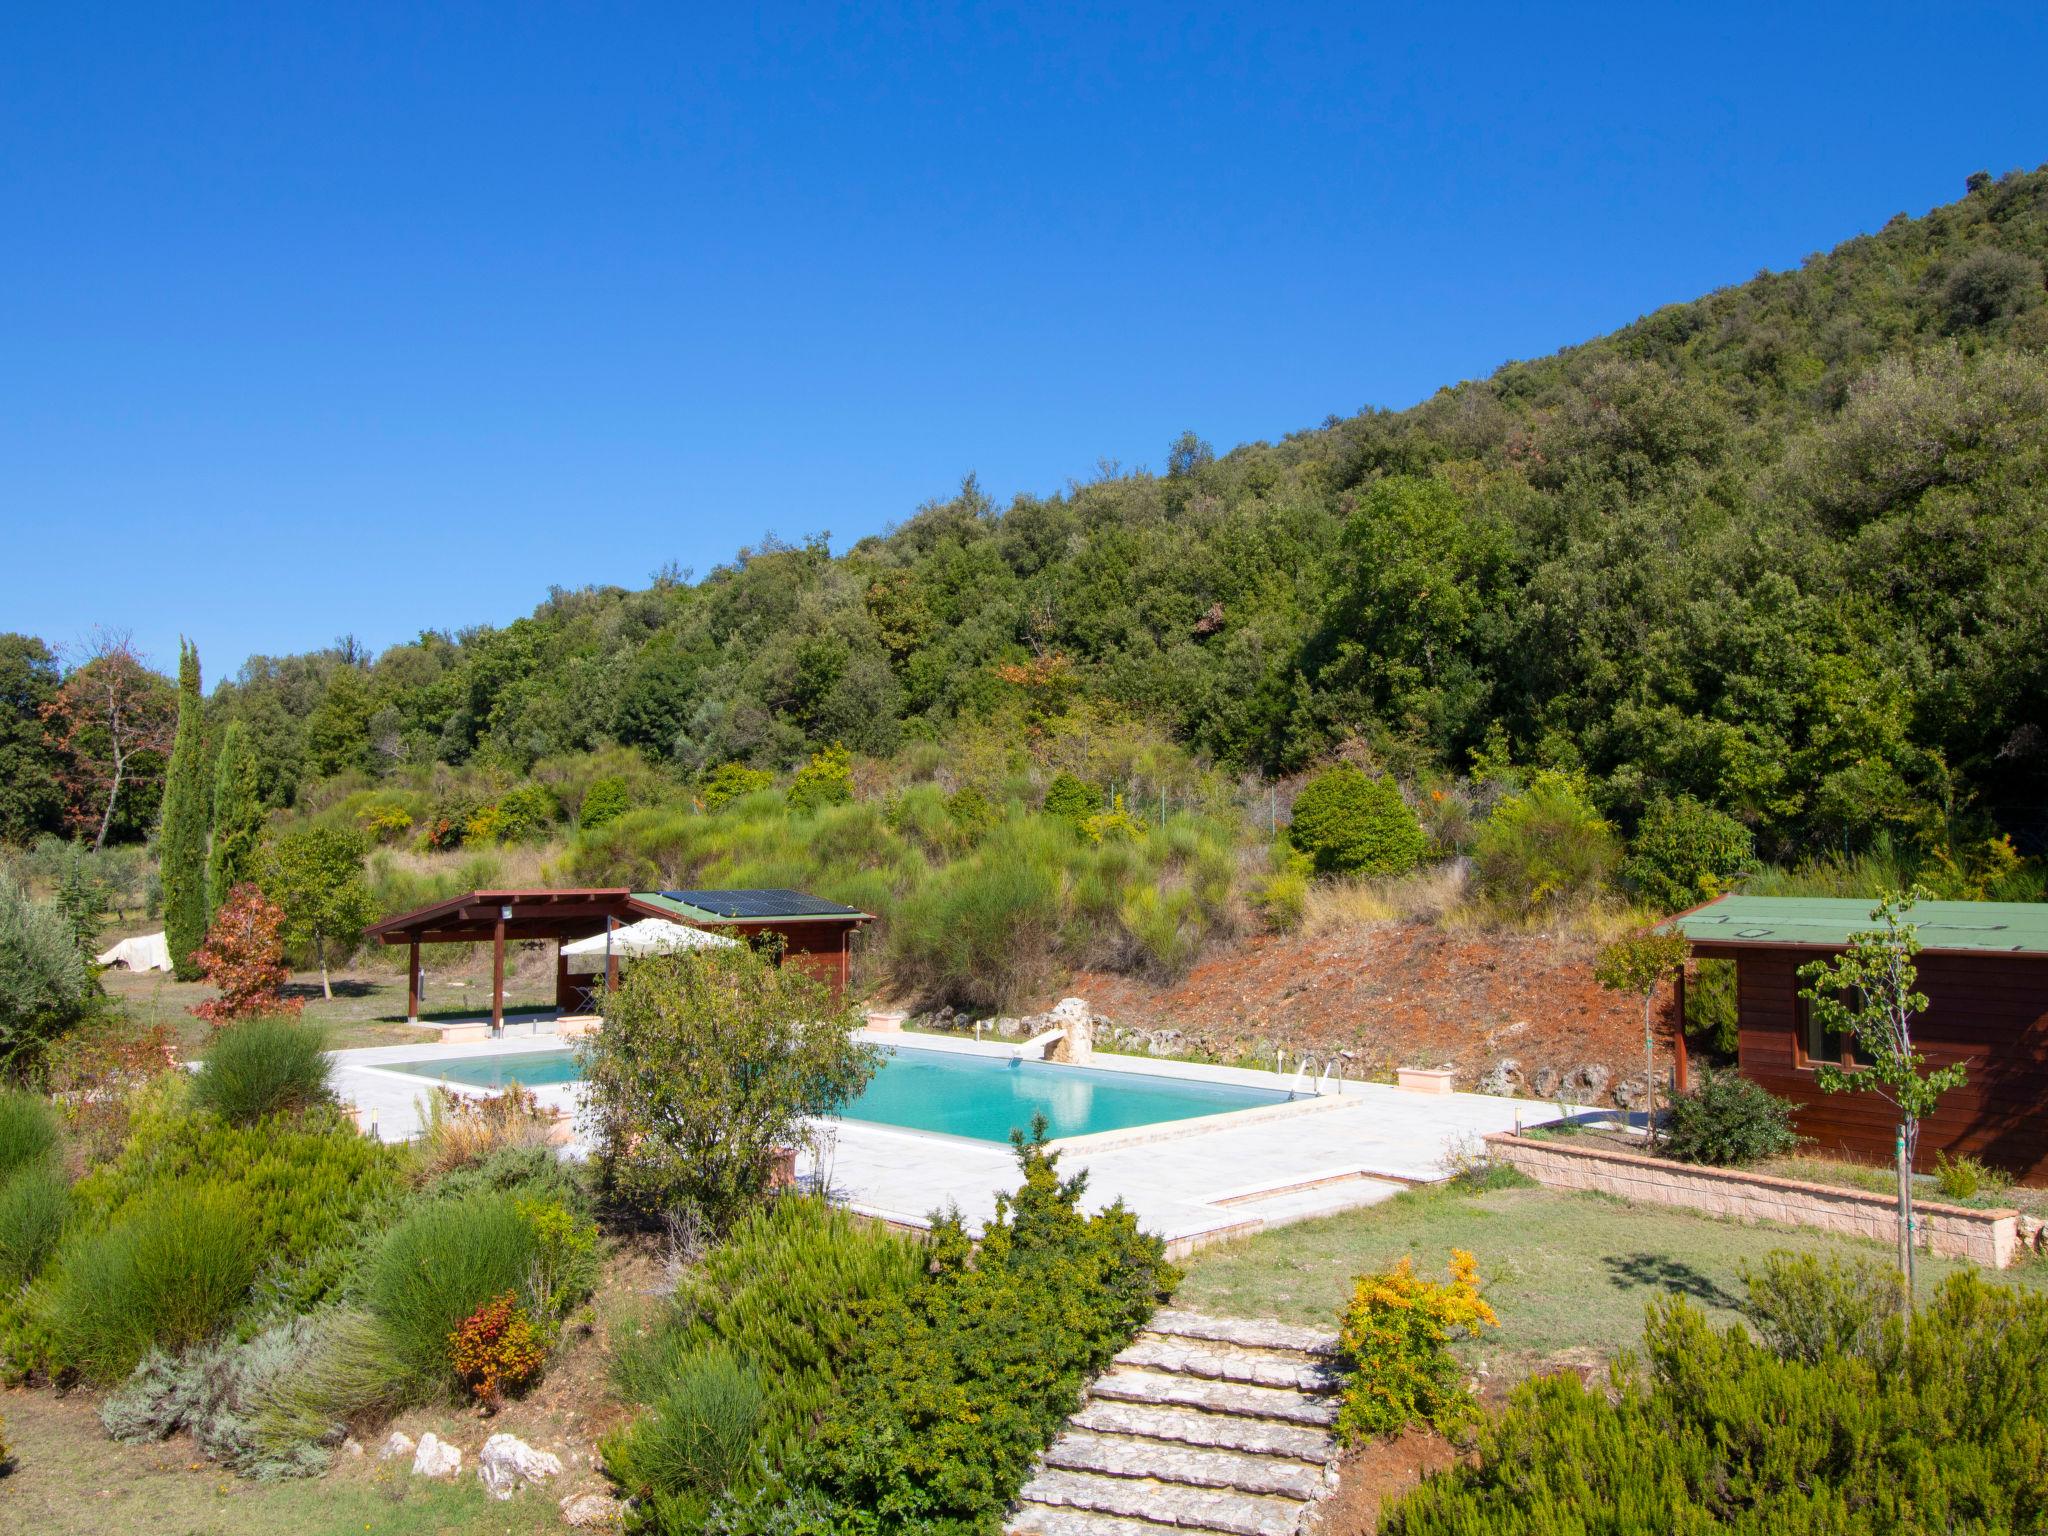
point(311, 989)
point(1662, 1272)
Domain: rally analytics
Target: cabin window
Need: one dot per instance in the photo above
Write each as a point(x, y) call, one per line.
point(1818, 1044)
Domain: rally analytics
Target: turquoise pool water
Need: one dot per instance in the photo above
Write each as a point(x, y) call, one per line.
point(982, 1098)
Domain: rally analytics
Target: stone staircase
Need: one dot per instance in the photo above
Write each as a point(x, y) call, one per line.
point(1204, 1424)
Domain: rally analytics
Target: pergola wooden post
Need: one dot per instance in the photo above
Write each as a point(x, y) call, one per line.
point(1682, 1072)
point(412, 982)
point(498, 974)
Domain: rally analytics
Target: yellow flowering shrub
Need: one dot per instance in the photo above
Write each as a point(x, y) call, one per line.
point(1396, 1338)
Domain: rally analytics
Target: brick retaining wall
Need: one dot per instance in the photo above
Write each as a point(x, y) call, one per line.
point(1990, 1238)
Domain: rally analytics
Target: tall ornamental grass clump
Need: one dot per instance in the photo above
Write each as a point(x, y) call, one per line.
point(34, 1201)
point(441, 1265)
point(751, 1351)
point(263, 1066)
point(167, 1273)
point(1936, 1427)
point(307, 1184)
point(28, 1130)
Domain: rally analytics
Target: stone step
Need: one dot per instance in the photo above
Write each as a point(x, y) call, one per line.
point(1052, 1520)
point(1244, 1333)
point(1192, 1465)
point(1286, 1404)
point(1218, 1431)
point(1224, 1362)
point(1175, 1504)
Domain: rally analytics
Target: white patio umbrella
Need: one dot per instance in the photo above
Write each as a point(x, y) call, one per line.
point(649, 936)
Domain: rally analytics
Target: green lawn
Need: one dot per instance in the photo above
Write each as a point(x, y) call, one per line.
point(71, 1480)
point(368, 1006)
point(1568, 1273)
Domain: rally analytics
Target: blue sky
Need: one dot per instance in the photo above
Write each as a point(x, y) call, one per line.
point(369, 319)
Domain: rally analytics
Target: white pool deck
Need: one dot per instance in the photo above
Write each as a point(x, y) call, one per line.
point(1192, 1181)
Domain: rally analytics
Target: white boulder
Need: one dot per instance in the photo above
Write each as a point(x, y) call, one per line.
point(436, 1457)
point(592, 1511)
point(399, 1444)
point(507, 1463)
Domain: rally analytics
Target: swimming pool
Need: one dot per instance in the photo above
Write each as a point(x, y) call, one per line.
point(951, 1093)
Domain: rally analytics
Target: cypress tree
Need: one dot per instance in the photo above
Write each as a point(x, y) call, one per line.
point(181, 844)
point(237, 816)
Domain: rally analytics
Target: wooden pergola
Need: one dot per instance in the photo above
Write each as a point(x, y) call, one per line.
point(807, 932)
point(499, 917)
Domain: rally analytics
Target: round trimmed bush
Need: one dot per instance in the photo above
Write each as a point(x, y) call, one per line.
point(1728, 1122)
point(1071, 799)
point(263, 1066)
point(169, 1274)
point(1351, 823)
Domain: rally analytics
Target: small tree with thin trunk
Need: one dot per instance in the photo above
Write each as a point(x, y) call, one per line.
point(1865, 996)
point(1637, 964)
point(316, 875)
point(244, 957)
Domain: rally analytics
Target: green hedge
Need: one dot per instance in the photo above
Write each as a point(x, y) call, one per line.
point(958, 1389)
point(1943, 1428)
point(750, 1353)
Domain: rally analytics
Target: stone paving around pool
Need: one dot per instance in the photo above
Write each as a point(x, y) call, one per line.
point(1192, 1181)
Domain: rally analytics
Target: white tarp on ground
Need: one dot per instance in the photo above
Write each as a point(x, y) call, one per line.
point(649, 936)
point(145, 952)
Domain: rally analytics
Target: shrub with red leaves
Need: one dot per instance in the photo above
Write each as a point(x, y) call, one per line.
point(244, 957)
point(496, 1350)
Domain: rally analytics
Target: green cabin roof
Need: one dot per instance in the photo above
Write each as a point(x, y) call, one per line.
point(1985, 927)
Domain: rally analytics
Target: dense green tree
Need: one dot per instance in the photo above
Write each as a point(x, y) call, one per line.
point(46, 985)
point(337, 732)
point(237, 816)
point(1685, 853)
point(707, 1063)
point(31, 793)
point(181, 843)
point(316, 874)
point(1782, 549)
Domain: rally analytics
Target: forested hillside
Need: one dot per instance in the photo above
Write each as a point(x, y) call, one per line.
point(1781, 551)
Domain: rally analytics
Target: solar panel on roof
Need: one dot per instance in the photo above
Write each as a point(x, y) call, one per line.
point(758, 904)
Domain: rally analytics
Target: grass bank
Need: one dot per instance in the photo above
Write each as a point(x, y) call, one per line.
point(1568, 1273)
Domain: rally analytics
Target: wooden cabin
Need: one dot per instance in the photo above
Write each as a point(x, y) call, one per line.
point(1983, 967)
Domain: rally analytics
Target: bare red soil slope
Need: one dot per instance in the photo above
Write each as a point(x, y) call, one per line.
point(1407, 994)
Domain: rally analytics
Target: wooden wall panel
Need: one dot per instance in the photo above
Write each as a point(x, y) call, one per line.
point(1988, 1011)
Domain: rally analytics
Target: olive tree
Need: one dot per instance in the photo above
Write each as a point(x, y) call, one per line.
point(708, 1062)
